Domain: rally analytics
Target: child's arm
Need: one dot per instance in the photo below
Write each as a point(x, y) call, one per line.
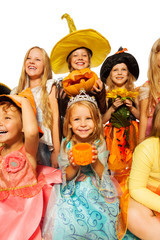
point(30, 129)
point(55, 128)
point(144, 156)
point(100, 95)
point(72, 169)
point(96, 164)
point(117, 103)
point(134, 110)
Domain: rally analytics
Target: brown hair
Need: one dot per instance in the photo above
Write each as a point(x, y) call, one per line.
point(8, 105)
point(98, 133)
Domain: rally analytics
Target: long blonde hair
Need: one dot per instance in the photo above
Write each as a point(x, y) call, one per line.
point(155, 131)
point(154, 73)
point(98, 133)
point(47, 74)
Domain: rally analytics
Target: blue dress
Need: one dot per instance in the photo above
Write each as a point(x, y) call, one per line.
point(85, 208)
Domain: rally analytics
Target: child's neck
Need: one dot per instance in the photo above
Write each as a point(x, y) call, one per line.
point(76, 140)
point(122, 87)
point(35, 82)
point(8, 148)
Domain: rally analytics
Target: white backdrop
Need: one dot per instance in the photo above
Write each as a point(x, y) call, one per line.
point(26, 23)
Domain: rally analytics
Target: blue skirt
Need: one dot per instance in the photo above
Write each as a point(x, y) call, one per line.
point(85, 215)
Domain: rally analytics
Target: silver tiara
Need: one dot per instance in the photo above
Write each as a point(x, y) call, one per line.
point(82, 96)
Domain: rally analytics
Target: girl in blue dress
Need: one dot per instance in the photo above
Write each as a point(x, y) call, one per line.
point(86, 205)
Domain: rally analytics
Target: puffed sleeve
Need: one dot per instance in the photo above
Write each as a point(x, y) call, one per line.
point(49, 85)
point(141, 169)
point(103, 153)
point(144, 91)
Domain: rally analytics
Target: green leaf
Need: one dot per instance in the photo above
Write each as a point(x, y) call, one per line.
point(120, 118)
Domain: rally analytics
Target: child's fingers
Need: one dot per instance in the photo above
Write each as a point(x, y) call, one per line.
point(94, 150)
point(71, 159)
point(94, 154)
point(94, 158)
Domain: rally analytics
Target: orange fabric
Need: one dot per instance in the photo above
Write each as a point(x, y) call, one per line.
point(157, 191)
point(122, 217)
point(120, 148)
point(121, 143)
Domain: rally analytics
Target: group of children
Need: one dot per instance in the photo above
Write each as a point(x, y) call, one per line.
point(113, 197)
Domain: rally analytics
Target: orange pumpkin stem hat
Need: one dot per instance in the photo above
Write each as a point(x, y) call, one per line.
point(87, 38)
point(27, 93)
point(4, 89)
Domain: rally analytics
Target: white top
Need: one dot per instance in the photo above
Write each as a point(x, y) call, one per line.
point(47, 137)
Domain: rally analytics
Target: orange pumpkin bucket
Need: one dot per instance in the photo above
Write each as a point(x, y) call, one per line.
point(79, 79)
point(82, 153)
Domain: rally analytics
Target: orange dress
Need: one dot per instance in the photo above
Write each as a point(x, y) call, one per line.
point(121, 135)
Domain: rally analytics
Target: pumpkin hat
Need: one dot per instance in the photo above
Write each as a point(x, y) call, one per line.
point(119, 57)
point(4, 89)
point(87, 38)
point(27, 93)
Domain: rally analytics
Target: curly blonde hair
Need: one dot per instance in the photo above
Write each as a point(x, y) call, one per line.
point(97, 134)
point(47, 74)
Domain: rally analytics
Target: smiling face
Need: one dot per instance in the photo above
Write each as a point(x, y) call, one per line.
point(79, 59)
point(82, 123)
point(119, 75)
point(10, 124)
point(34, 64)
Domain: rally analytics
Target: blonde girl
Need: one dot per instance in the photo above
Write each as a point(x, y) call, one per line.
point(85, 189)
point(150, 92)
point(119, 72)
point(36, 74)
point(80, 49)
point(144, 185)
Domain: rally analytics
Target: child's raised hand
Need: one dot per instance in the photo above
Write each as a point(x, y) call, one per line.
point(95, 154)
point(99, 86)
point(17, 98)
point(117, 103)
